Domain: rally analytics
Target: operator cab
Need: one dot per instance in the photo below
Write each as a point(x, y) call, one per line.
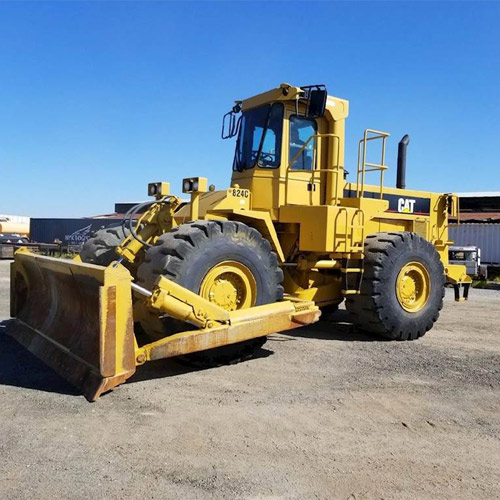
point(278, 154)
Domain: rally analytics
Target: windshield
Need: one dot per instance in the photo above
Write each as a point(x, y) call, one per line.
point(259, 139)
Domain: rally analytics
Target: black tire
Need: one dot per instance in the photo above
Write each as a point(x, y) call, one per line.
point(329, 309)
point(377, 308)
point(100, 247)
point(327, 312)
point(188, 252)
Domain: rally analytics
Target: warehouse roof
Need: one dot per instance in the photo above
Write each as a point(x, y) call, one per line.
point(479, 194)
point(480, 216)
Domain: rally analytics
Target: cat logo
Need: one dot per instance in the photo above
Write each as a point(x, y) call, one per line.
point(405, 205)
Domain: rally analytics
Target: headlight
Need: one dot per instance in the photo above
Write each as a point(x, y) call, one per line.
point(158, 189)
point(194, 185)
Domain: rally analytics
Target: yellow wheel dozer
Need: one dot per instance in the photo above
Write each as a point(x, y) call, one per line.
point(210, 278)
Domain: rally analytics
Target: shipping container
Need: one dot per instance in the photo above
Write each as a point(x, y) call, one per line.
point(124, 207)
point(484, 236)
point(67, 231)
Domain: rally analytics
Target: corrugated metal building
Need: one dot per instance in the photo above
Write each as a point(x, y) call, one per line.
point(484, 236)
point(479, 224)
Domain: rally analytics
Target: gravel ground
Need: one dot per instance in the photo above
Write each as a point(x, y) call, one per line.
point(322, 413)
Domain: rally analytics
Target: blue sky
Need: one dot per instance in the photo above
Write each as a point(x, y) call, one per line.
point(98, 99)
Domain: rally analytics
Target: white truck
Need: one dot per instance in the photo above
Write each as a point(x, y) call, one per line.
point(470, 257)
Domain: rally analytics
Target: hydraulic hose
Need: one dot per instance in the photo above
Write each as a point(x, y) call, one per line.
point(127, 218)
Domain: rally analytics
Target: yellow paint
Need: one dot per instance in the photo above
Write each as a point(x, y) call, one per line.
point(322, 288)
point(244, 324)
point(158, 219)
point(413, 287)
point(230, 285)
point(76, 317)
point(185, 305)
point(456, 274)
point(257, 219)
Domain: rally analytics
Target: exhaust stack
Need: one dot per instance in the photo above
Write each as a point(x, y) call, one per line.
point(401, 174)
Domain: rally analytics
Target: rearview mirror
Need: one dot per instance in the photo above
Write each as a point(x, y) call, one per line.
point(230, 122)
point(317, 103)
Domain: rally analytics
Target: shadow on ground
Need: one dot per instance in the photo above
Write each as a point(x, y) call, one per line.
point(163, 368)
point(333, 326)
point(19, 368)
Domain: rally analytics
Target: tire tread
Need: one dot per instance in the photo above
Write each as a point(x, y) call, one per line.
point(368, 309)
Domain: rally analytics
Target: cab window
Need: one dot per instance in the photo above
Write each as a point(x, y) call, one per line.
point(300, 130)
point(259, 139)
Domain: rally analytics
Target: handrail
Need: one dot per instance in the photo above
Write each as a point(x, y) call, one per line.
point(357, 221)
point(362, 225)
point(334, 169)
point(362, 163)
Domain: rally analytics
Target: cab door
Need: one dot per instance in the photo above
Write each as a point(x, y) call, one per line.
point(303, 184)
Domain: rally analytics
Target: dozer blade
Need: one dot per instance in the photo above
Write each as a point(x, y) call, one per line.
point(75, 317)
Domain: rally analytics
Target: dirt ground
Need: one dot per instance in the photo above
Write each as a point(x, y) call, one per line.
point(323, 413)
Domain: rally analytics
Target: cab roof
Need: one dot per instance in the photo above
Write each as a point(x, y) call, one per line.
point(337, 108)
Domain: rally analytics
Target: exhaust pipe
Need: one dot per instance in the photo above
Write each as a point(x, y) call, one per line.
point(401, 174)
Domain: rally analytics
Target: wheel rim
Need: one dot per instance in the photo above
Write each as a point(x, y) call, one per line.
point(230, 285)
point(413, 287)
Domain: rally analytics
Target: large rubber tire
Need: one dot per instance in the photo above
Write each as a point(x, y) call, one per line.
point(100, 248)
point(377, 308)
point(187, 253)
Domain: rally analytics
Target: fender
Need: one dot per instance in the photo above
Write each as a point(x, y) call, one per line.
point(258, 220)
